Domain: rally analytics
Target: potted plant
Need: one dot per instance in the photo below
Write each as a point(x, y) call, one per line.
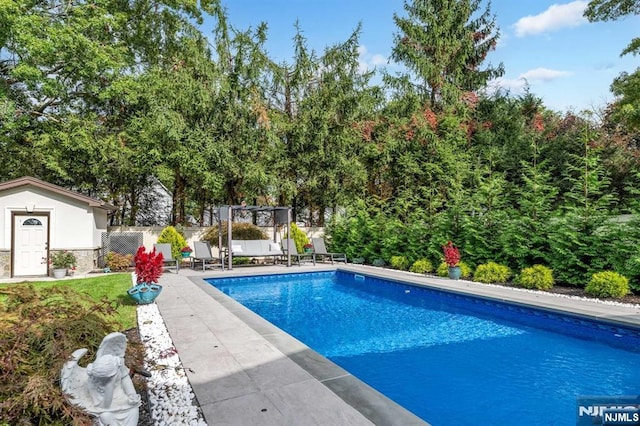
point(308, 248)
point(61, 261)
point(149, 267)
point(186, 251)
point(452, 259)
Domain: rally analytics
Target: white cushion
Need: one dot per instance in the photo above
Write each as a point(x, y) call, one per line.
point(236, 248)
point(274, 247)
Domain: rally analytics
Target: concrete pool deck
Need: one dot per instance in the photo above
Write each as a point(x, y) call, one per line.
point(245, 371)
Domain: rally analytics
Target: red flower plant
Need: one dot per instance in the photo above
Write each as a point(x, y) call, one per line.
point(149, 265)
point(451, 254)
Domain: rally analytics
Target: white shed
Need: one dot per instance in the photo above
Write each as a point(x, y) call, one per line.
point(37, 218)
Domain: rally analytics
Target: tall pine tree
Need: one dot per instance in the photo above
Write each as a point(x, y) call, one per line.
point(444, 44)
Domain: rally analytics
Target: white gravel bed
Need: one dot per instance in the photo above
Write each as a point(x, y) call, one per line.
point(567, 296)
point(171, 399)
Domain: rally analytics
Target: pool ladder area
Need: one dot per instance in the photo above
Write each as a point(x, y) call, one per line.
point(358, 277)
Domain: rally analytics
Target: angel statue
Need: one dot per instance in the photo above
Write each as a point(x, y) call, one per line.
point(104, 389)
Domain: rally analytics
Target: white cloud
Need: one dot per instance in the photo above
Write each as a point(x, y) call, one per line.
point(378, 59)
point(555, 17)
point(542, 75)
point(368, 61)
point(529, 78)
point(512, 86)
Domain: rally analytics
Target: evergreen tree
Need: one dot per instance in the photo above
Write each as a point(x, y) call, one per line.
point(445, 46)
point(627, 85)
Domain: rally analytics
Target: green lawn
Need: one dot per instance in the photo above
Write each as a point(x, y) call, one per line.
point(112, 286)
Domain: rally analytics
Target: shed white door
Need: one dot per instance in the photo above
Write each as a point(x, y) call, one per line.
point(30, 235)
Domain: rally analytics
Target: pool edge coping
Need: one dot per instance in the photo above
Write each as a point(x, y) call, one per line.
point(371, 403)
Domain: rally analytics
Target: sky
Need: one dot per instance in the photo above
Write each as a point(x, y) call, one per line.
point(548, 45)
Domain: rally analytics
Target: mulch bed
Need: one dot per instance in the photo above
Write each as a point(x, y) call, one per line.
point(135, 359)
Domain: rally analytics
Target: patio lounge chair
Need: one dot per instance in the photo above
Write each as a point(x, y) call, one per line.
point(320, 250)
point(202, 253)
point(295, 256)
point(168, 260)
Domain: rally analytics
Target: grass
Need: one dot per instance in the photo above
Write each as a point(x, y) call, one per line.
point(112, 286)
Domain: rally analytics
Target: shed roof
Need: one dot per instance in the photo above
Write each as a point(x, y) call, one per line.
point(31, 181)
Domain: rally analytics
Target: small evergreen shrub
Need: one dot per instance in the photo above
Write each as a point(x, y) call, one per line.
point(608, 284)
point(239, 231)
point(443, 270)
point(357, 260)
point(299, 237)
point(492, 273)
point(632, 272)
point(241, 260)
point(537, 277)
point(170, 235)
point(399, 262)
point(421, 266)
point(379, 262)
point(118, 261)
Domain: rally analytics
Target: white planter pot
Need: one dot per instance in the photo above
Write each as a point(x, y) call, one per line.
point(59, 273)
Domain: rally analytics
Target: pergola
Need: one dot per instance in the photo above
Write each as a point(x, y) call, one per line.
point(281, 216)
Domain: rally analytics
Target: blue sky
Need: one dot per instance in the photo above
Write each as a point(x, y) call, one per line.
point(568, 62)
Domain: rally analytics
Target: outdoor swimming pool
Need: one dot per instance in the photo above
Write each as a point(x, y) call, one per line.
point(450, 359)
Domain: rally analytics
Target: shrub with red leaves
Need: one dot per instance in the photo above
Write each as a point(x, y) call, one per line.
point(451, 254)
point(149, 265)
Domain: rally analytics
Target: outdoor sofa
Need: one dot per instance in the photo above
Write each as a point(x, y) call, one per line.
point(255, 249)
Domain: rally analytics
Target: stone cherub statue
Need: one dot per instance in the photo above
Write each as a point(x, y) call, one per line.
point(104, 389)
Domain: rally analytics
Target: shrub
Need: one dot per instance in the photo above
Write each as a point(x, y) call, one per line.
point(379, 262)
point(39, 329)
point(537, 277)
point(63, 260)
point(239, 231)
point(299, 237)
point(118, 261)
point(443, 270)
point(399, 262)
point(631, 270)
point(492, 273)
point(421, 266)
point(170, 235)
point(608, 284)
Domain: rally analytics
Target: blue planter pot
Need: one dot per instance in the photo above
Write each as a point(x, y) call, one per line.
point(144, 293)
point(454, 272)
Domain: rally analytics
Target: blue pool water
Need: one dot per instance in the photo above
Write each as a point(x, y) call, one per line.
point(450, 359)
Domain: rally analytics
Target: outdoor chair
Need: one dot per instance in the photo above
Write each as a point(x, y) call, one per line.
point(202, 253)
point(167, 258)
point(295, 256)
point(320, 250)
